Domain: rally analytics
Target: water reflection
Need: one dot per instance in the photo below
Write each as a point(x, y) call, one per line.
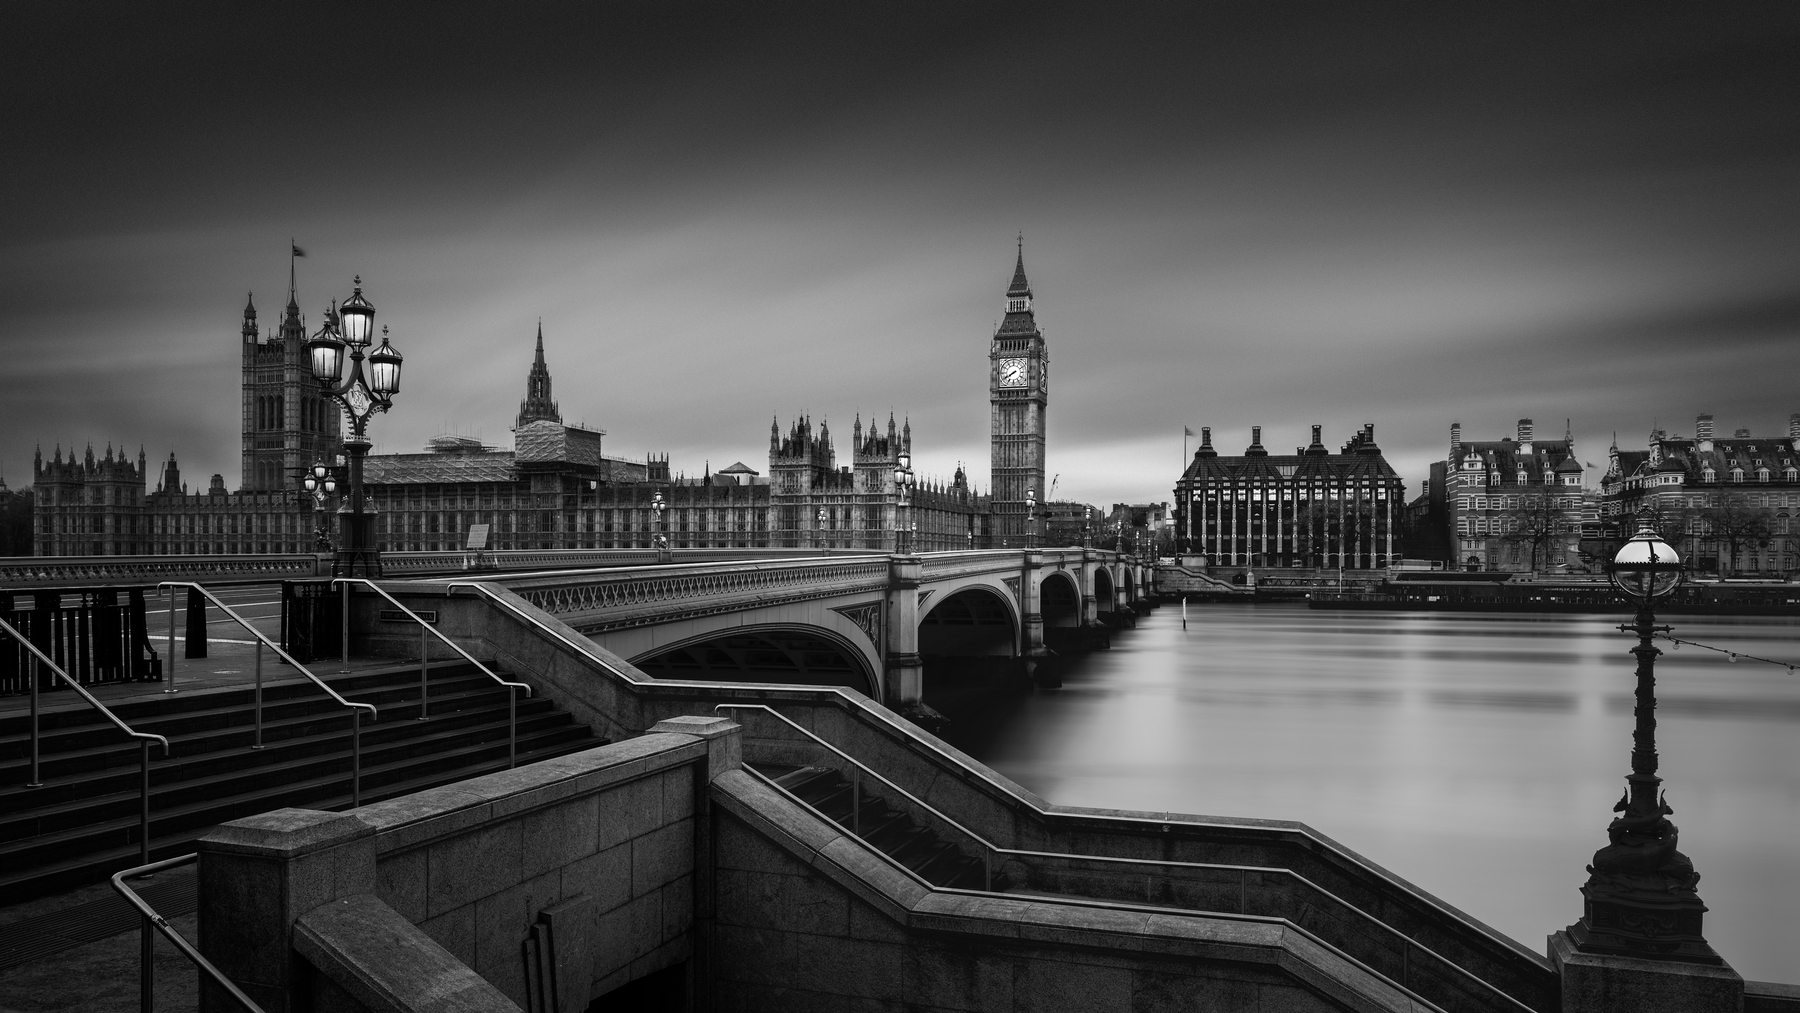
point(1476, 755)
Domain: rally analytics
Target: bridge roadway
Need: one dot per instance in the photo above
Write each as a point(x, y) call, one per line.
point(865, 621)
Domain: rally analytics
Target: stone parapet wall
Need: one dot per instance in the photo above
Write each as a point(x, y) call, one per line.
point(807, 918)
point(556, 881)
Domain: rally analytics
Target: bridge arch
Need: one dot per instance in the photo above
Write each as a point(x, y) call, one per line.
point(1059, 600)
point(973, 621)
point(1104, 596)
point(800, 654)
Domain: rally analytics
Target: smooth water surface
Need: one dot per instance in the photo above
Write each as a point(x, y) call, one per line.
point(1476, 755)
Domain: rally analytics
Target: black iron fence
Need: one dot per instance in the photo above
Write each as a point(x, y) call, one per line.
point(96, 634)
point(311, 620)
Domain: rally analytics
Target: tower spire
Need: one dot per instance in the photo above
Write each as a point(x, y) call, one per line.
point(538, 404)
point(1019, 286)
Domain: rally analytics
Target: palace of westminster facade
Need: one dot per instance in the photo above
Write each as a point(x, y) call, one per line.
point(554, 489)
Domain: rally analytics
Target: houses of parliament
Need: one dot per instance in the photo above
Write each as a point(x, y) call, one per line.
point(555, 489)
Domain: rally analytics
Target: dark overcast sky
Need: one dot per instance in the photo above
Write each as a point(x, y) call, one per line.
point(1234, 215)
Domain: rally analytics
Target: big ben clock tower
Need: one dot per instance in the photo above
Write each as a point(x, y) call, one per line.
point(1018, 391)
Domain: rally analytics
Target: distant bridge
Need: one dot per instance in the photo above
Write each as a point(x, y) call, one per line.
point(862, 620)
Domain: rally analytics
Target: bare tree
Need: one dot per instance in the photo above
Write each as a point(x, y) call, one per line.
point(1535, 522)
point(1738, 522)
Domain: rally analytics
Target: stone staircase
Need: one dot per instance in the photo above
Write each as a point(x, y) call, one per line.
point(891, 831)
point(82, 825)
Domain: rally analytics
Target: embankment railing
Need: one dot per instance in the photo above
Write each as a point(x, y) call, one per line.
point(262, 641)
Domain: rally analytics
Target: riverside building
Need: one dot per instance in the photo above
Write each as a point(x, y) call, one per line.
point(1308, 509)
point(1714, 497)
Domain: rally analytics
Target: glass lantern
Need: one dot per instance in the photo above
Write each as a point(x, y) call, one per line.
point(1646, 567)
point(359, 318)
point(384, 368)
point(327, 355)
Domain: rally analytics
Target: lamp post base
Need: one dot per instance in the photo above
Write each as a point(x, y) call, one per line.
point(357, 555)
point(1610, 983)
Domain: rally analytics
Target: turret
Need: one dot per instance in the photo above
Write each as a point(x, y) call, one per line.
point(249, 319)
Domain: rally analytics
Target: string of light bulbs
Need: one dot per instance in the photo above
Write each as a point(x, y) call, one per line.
point(1729, 654)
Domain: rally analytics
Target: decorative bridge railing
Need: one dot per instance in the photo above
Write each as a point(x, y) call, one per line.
point(597, 601)
point(64, 571)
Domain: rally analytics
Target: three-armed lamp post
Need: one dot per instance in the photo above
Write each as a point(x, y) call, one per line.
point(338, 362)
point(661, 538)
point(904, 483)
point(1639, 899)
point(320, 482)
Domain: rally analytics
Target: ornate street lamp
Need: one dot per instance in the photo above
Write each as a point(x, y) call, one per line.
point(819, 532)
point(320, 482)
point(661, 538)
point(904, 483)
point(1030, 515)
point(1639, 899)
point(338, 363)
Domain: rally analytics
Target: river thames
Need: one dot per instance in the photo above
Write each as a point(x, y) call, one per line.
point(1477, 756)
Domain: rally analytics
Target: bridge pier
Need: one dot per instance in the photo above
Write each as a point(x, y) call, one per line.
point(903, 677)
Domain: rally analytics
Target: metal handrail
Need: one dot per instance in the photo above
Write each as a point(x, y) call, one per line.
point(143, 739)
point(263, 640)
point(150, 919)
point(512, 696)
point(996, 849)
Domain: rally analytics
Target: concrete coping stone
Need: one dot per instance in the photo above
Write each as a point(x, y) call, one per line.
point(421, 817)
point(285, 833)
point(705, 726)
point(387, 963)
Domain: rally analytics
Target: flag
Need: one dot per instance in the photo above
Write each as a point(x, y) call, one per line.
point(298, 252)
point(1185, 431)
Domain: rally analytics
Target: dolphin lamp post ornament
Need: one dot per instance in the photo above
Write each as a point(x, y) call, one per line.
point(362, 384)
point(320, 482)
point(1639, 899)
point(904, 483)
point(661, 538)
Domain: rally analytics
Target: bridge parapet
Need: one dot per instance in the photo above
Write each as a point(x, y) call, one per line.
point(596, 601)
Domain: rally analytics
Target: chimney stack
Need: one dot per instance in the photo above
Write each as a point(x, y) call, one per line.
point(1794, 426)
point(1703, 427)
point(1455, 441)
point(1524, 430)
point(1316, 430)
point(1741, 434)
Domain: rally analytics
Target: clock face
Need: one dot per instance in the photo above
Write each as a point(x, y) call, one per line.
point(1012, 372)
